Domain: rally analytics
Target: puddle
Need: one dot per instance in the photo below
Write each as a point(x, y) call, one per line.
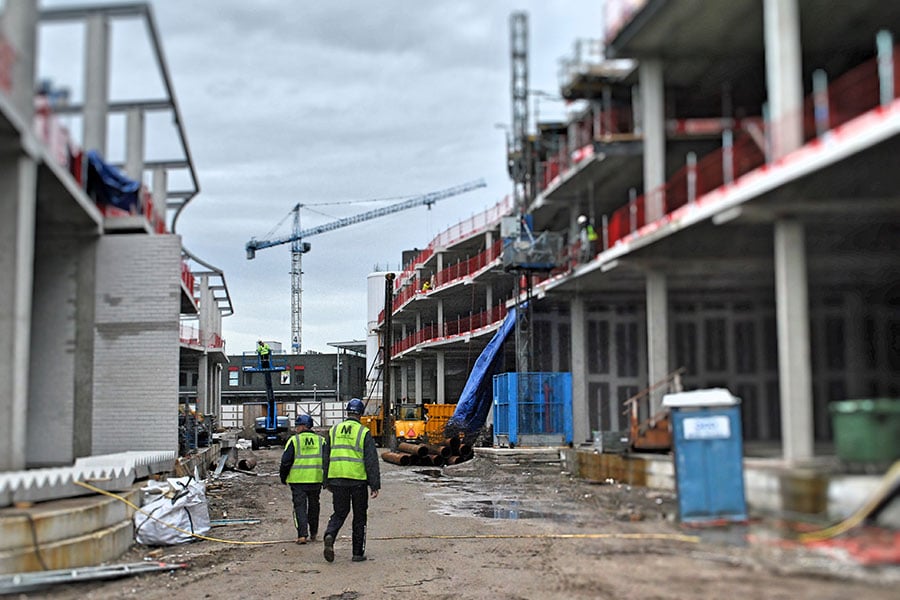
point(430, 472)
point(490, 509)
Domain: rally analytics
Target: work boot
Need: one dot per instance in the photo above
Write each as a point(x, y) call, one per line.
point(301, 540)
point(329, 547)
point(359, 557)
point(312, 538)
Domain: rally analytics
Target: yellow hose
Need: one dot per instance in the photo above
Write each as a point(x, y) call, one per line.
point(499, 536)
point(890, 480)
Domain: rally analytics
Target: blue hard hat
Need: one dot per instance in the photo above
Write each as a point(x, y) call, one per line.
point(355, 407)
point(304, 420)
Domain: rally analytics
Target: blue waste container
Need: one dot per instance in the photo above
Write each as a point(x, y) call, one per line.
point(709, 455)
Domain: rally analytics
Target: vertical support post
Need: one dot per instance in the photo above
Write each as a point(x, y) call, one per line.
point(794, 364)
point(691, 177)
point(632, 210)
point(605, 231)
point(440, 375)
point(657, 335)
point(388, 435)
point(96, 83)
point(820, 102)
point(134, 145)
point(727, 157)
point(580, 400)
point(784, 79)
point(885, 45)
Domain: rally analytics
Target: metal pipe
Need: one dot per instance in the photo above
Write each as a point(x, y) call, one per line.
point(397, 458)
point(442, 450)
point(419, 450)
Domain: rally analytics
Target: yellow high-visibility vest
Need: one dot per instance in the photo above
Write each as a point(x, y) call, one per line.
point(307, 467)
point(346, 458)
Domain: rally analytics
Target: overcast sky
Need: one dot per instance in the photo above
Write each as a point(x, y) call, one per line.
point(288, 102)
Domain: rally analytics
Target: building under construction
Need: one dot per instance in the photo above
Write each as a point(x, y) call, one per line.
point(103, 304)
point(738, 163)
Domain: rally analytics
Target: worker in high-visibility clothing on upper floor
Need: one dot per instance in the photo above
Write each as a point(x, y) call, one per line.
point(302, 468)
point(351, 465)
point(588, 238)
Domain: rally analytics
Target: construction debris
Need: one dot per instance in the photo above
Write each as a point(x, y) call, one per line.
point(19, 583)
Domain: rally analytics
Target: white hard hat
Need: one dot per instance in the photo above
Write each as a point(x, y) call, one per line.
point(582, 219)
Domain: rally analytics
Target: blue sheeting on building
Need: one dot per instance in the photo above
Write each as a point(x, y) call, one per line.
point(476, 398)
point(107, 186)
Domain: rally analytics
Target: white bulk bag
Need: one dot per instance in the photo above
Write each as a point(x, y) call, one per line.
point(184, 506)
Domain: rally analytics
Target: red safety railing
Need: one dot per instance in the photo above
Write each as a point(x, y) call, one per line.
point(465, 268)
point(460, 326)
point(187, 277)
point(466, 228)
point(189, 335)
point(849, 96)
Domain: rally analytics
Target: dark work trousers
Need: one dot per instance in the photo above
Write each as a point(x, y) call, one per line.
point(306, 507)
point(344, 497)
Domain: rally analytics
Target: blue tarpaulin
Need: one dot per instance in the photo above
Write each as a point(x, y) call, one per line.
point(476, 398)
point(109, 187)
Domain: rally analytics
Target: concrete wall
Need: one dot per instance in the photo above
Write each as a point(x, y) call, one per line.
point(61, 357)
point(137, 343)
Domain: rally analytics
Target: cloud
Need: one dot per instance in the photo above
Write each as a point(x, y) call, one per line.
point(310, 102)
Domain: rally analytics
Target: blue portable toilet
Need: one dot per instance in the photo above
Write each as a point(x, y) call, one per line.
point(709, 455)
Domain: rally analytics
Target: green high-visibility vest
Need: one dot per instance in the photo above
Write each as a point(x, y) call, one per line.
point(346, 458)
point(307, 467)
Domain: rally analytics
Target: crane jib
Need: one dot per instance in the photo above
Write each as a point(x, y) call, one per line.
point(426, 199)
point(298, 248)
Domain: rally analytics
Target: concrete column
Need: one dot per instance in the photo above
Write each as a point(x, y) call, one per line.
point(418, 376)
point(440, 390)
point(784, 81)
point(205, 323)
point(134, 144)
point(203, 406)
point(59, 406)
point(404, 381)
point(96, 83)
point(794, 366)
point(440, 261)
point(19, 22)
point(580, 420)
point(440, 317)
point(654, 132)
point(18, 194)
point(657, 334)
point(159, 191)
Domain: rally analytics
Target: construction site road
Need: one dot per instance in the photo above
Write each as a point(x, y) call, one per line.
point(479, 530)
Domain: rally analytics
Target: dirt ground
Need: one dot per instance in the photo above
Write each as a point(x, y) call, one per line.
point(477, 530)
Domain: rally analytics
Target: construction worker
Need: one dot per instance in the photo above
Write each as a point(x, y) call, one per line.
point(263, 350)
point(588, 238)
point(350, 466)
point(302, 468)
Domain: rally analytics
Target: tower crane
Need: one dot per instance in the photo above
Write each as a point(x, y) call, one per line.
point(300, 247)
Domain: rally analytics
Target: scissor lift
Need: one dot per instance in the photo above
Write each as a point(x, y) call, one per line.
point(271, 428)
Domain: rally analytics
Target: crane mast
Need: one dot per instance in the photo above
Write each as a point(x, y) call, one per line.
point(300, 247)
point(296, 283)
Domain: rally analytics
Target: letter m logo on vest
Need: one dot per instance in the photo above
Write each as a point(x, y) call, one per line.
point(308, 441)
point(346, 430)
